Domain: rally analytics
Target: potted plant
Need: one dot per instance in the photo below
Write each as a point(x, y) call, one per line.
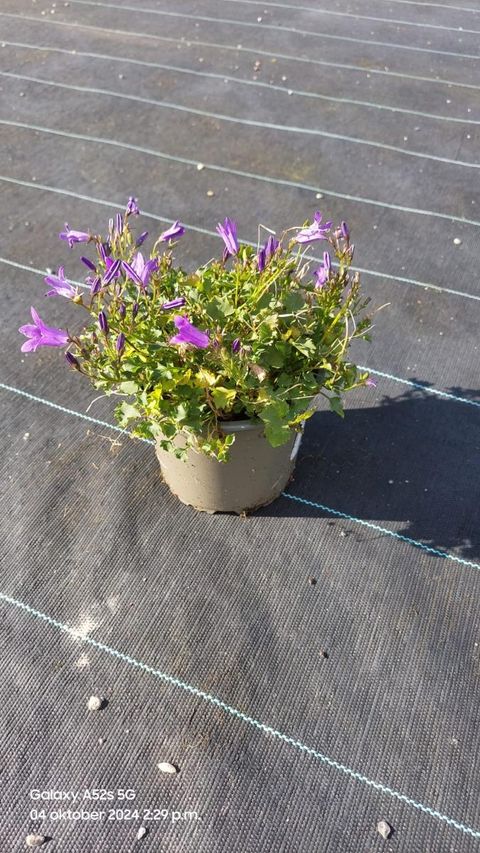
point(221, 366)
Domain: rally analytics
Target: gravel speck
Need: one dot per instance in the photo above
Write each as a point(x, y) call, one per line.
point(35, 840)
point(200, 166)
point(457, 241)
point(384, 829)
point(95, 703)
point(166, 767)
point(142, 832)
point(312, 581)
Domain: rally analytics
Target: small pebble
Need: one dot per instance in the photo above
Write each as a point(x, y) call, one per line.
point(166, 767)
point(319, 195)
point(324, 654)
point(312, 581)
point(22, 94)
point(26, 436)
point(384, 829)
point(342, 533)
point(142, 832)
point(101, 740)
point(120, 76)
point(210, 193)
point(95, 703)
point(35, 840)
point(200, 166)
point(457, 241)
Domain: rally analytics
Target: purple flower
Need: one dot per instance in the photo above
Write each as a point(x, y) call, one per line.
point(175, 230)
point(41, 335)
point(371, 383)
point(141, 239)
point(179, 302)
point(104, 251)
point(189, 334)
point(73, 236)
point(95, 284)
point(113, 270)
point(266, 252)
point(345, 231)
point(236, 345)
point(130, 273)
point(144, 269)
point(132, 207)
point(88, 263)
point(323, 272)
point(59, 285)
point(103, 322)
point(120, 343)
point(118, 225)
point(228, 233)
point(122, 311)
point(316, 231)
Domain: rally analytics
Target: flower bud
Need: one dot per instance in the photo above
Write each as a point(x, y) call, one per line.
point(134, 310)
point(174, 303)
point(120, 343)
point(236, 345)
point(95, 285)
point(141, 238)
point(72, 360)
point(88, 263)
point(103, 322)
point(122, 311)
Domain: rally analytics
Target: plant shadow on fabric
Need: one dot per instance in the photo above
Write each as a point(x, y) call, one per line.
point(413, 460)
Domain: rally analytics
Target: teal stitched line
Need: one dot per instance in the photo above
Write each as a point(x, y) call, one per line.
point(445, 554)
point(240, 49)
point(226, 78)
point(331, 12)
point(384, 530)
point(420, 387)
point(196, 228)
point(170, 105)
point(314, 34)
point(70, 411)
point(234, 712)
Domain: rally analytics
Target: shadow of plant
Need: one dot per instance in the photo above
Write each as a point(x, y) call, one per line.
point(412, 459)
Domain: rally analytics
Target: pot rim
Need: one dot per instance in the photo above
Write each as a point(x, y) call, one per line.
point(228, 427)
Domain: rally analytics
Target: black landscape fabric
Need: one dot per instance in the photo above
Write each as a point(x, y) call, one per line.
point(312, 669)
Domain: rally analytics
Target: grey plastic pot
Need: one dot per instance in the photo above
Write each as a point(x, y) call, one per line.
point(255, 474)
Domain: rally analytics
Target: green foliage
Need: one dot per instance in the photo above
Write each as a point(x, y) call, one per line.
point(276, 342)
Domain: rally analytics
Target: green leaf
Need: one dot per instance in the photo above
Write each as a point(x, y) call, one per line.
point(223, 397)
point(306, 347)
point(275, 418)
point(219, 308)
point(336, 406)
point(128, 387)
point(294, 302)
point(126, 412)
point(275, 356)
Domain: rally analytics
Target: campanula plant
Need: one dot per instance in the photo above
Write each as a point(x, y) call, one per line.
point(257, 333)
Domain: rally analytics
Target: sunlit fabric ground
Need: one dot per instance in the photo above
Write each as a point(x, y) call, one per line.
point(303, 713)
